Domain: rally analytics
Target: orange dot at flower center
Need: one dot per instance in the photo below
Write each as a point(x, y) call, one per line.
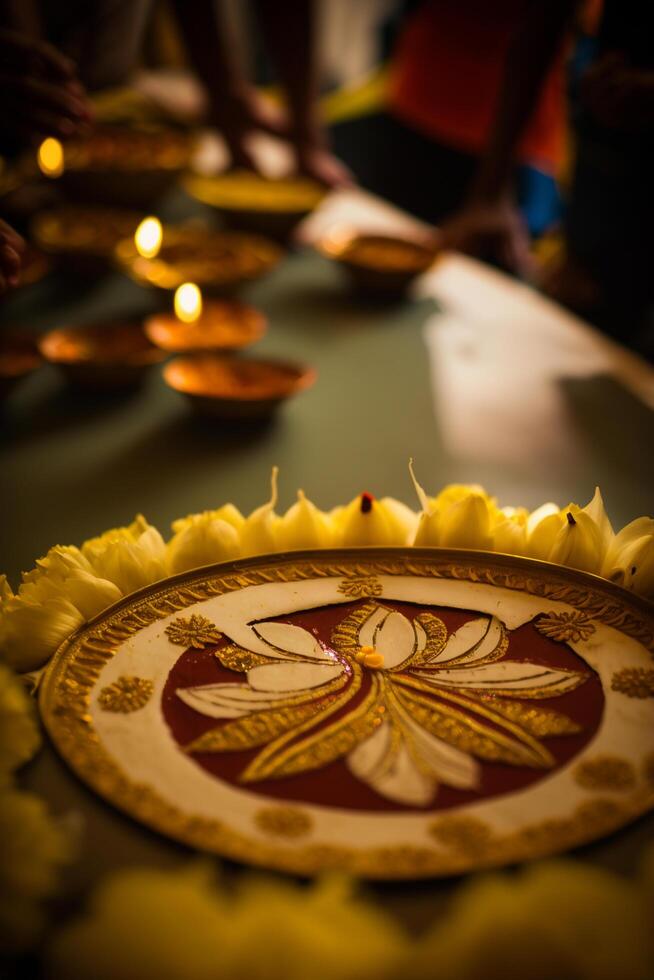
point(369, 657)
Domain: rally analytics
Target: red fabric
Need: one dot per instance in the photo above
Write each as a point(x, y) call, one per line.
point(447, 72)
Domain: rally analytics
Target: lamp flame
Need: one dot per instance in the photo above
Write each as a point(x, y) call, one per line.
point(147, 238)
point(188, 302)
point(50, 157)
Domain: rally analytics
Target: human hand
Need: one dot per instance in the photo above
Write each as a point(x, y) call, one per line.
point(241, 113)
point(493, 231)
point(12, 247)
point(41, 95)
point(315, 160)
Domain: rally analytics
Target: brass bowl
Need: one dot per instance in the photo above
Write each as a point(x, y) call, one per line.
point(19, 357)
point(102, 356)
point(218, 261)
point(267, 206)
point(236, 388)
point(223, 325)
point(83, 239)
point(125, 166)
point(383, 265)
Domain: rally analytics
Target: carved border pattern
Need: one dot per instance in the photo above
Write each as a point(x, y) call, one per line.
point(73, 672)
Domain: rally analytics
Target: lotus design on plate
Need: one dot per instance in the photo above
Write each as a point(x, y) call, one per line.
point(406, 706)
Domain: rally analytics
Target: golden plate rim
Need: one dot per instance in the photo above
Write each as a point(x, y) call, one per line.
point(69, 726)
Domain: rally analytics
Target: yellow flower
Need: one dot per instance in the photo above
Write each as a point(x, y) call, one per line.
point(303, 526)
point(280, 930)
point(64, 573)
point(367, 521)
point(509, 531)
point(228, 513)
point(180, 926)
point(575, 536)
point(130, 557)
point(559, 919)
point(33, 848)
point(202, 540)
point(31, 631)
point(19, 732)
point(260, 527)
point(629, 560)
point(459, 517)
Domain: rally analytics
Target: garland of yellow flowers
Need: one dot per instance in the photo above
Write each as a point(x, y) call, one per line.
point(185, 923)
point(70, 585)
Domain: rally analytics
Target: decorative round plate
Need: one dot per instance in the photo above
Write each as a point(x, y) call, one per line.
point(390, 712)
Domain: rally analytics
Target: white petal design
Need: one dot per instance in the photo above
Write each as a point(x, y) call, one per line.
point(369, 628)
point(504, 675)
point(421, 636)
point(292, 676)
point(393, 636)
point(285, 638)
point(448, 764)
point(392, 773)
point(478, 637)
point(226, 700)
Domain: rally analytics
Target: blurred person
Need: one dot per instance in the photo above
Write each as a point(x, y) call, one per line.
point(100, 40)
point(476, 92)
point(289, 32)
point(41, 94)
point(606, 273)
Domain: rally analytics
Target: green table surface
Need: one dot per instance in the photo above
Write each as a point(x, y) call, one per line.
point(73, 466)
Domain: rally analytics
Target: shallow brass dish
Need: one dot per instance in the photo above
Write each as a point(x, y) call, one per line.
point(108, 355)
point(83, 239)
point(235, 387)
point(222, 325)
point(126, 166)
point(217, 261)
point(159, 705)
point(247, 200)
point(383, 264)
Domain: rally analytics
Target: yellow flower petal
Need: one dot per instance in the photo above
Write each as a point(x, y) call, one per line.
point(19, 732)
point(131, 557)
point(202, 540)
point(303, 526)
point(259, 528)
point(31, 632)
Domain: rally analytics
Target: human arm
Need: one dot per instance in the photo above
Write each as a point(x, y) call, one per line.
point(489, 224)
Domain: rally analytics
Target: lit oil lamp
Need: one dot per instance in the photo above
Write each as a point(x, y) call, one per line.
point(188, 302)
point(101, 356)
point(227, 387)
point(148, 237)
point(199, 325)
point(50, 157)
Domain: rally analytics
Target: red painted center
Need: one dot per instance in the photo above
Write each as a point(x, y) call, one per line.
point(334, 785)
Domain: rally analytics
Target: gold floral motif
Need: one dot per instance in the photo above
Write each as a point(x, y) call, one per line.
point(283, 821)
point(635, 682)
point(426, 692)
point(566, 627)
point(360, 587)
point(196, 632)
point(125, 695)
point(238, 659)
point(74, 670)
point(259, 728)
point(606, 772)
point(464, 834)
point(542, 722)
